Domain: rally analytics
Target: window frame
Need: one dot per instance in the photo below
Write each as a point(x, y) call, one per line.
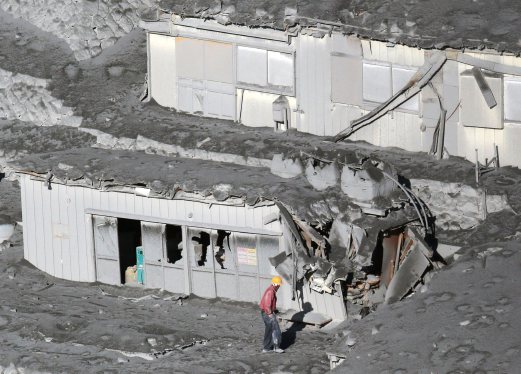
point(509, 78)
point(369, 105)
point(272, 89)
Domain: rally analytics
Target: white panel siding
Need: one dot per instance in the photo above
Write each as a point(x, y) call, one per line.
point(58, 228)
point(314, 84)
point(255, 109)
point(162, 69)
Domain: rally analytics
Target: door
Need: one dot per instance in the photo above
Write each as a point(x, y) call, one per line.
point(106, 249)
point(225, 264)
point(174, 260)
point(152, 237)
point(199, 242)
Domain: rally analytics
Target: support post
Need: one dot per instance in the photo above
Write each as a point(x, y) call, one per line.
point(441, 135)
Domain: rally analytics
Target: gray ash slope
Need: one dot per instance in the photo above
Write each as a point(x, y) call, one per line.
point(422, 332)
point(426, 24)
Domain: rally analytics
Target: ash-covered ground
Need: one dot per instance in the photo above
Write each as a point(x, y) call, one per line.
point(465, 319)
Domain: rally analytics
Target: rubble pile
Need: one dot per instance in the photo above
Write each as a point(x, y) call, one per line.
point(88, 27)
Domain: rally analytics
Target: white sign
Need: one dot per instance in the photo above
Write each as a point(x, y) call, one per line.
point(247, 256)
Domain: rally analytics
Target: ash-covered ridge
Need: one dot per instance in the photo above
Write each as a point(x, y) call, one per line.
point(425, 24)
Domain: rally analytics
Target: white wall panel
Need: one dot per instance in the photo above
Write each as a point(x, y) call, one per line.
point(346, 79)
point(162, 69)
point(314, 85)
point(255, 109)
point(474, 110)
point(189, 58)
point(218, 66)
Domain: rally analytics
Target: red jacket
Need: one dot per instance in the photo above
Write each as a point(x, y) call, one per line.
point(268, 302)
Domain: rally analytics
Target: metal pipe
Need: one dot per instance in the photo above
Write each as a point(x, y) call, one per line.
point(424, 224)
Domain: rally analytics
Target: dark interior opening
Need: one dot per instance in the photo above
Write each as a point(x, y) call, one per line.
point(201, 244)
point(129, 237)
point(223, 241)
point(174, 243)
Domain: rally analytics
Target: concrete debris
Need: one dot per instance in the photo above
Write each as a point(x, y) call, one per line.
point(367, 183)
point(286, 168)
point(322, 176)
point(455, 205)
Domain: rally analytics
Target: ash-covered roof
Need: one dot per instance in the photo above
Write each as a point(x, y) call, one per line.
point(475, 24)
point(180, 178)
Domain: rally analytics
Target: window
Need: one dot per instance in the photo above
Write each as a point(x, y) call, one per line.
point(512, 95)
point(382, 81)
point(401, 76)
point(204, 60)
point(223, 251)
point(346, 79)
point(377, 86)
point(265, 70)
point(474, 109)
point(205, 78)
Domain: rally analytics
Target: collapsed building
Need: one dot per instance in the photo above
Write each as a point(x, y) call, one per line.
point(442, 78)
point(344, 236)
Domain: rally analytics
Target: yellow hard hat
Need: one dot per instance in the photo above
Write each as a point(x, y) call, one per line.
point(276, 280)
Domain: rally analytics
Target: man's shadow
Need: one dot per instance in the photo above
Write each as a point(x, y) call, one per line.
point(290, 335)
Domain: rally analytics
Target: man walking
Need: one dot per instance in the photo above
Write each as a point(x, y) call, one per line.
point(268, 305)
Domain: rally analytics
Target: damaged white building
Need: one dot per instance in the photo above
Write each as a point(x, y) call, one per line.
point(216, 229)
point(422, 77)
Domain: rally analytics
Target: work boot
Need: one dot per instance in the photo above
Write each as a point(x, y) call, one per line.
point(276, 349)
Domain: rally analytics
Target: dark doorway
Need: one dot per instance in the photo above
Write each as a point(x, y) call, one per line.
point(174, 243)
point(129, 237)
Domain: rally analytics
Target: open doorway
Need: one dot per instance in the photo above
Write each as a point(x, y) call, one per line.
point(174, 243)
point(129, 237)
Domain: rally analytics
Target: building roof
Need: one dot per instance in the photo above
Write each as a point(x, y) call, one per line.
point(207, 181)
point(475, 24)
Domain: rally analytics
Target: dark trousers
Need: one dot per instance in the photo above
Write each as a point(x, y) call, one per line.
point(272, 334)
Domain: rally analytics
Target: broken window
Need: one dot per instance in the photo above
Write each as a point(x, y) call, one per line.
point(129, 238)
point(174, 243)
point(222, 250)
point(265, 70)
point(201, 245)
point(346, 79)
point(512, 95)
point(475, 110)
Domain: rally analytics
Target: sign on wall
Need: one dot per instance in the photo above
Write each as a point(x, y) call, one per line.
point(247, 256)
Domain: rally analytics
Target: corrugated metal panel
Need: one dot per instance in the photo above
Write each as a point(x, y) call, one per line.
point(52, 255)
point(314, 84)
